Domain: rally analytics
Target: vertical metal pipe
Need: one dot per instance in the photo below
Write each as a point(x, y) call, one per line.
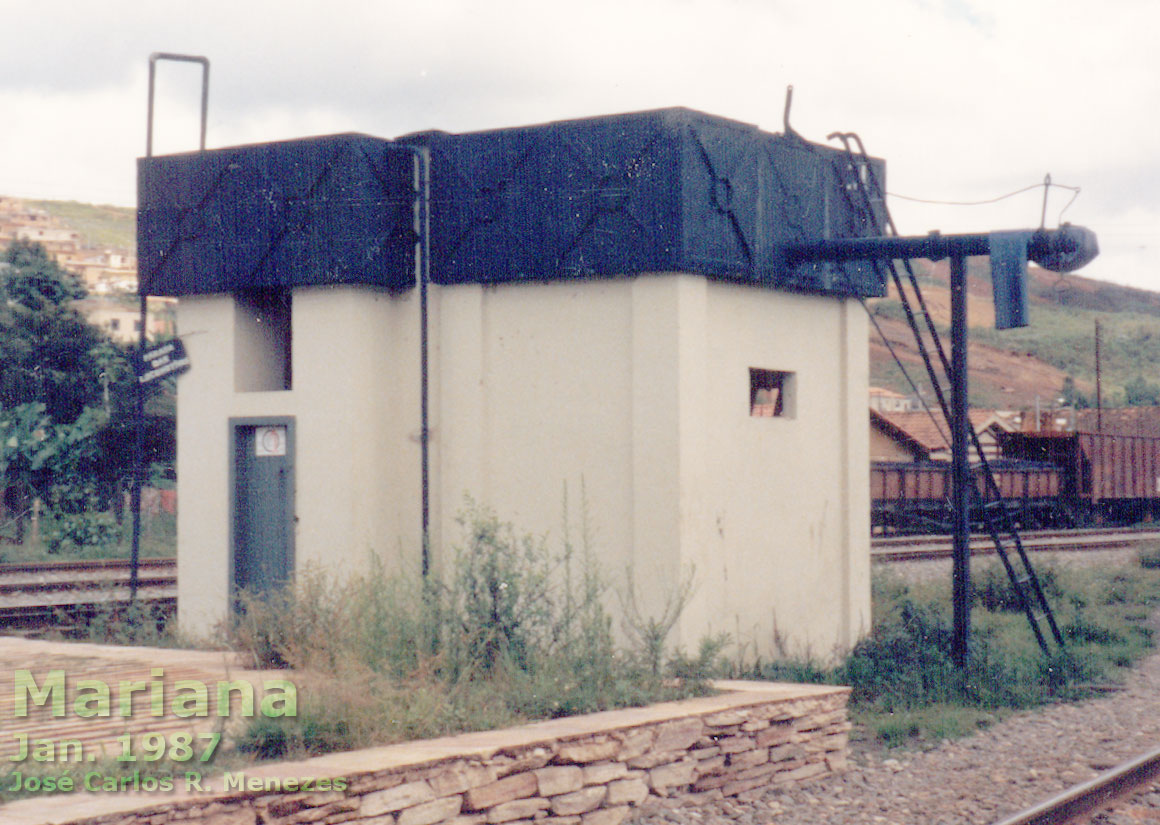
point(143, 313)
point(138, 388)
point(149, 106)
point(204, 100)
point(423, 159)
point(138, 455)
point(960, 461)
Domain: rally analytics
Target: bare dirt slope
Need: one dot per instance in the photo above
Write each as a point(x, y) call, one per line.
point(1013, 376)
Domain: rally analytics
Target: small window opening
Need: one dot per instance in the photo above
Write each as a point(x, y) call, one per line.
point(262, 338)
point(771, 393)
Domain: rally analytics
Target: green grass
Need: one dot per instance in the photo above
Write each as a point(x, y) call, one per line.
point(114, 226)
point(1061, 333)
point(158, 540)
point(1064, 336)
point(906, 689)
point(930, 724)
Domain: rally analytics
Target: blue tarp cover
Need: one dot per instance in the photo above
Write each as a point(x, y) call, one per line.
point(662, 191)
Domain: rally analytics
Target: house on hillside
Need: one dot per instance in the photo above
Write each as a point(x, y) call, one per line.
point(885, 400)
point(121, 321)
point(889, 442)
point(925, 436)
point(56, 240)
point(102, 270)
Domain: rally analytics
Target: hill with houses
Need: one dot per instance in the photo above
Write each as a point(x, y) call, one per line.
point(98, 245)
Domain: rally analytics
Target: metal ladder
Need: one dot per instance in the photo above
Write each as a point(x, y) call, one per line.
point(863, 189)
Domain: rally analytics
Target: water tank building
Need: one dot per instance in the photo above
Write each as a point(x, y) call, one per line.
point(601, 303)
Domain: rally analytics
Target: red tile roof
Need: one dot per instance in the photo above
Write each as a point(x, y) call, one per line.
point(932, 434)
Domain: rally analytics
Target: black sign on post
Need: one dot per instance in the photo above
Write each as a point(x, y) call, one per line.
point(167, 359)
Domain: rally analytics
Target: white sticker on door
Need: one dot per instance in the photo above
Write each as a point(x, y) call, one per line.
point(269, 441)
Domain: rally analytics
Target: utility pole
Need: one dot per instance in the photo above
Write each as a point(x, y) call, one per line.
point(961, 465)
point(1099, 385)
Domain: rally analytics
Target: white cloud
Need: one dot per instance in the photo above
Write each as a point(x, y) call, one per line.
point(966, 99)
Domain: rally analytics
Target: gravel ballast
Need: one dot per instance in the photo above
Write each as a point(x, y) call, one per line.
point(984, 778)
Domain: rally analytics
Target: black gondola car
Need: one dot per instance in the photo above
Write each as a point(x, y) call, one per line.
point(1047, 479)
point(914, 497)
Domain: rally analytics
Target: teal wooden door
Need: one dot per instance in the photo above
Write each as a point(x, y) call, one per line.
point(263, 504)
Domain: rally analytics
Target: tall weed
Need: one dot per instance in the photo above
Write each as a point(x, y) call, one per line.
point(512, 631)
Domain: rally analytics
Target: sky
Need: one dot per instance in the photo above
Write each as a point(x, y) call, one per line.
point(967, 100)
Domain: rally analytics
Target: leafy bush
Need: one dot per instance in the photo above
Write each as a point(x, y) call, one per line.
point(135, 623)
point(993, 589)
point(501, 599)
point(77, 525)
point(906, 687)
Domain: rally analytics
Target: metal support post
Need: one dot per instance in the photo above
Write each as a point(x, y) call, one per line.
point(138, 451)
point(960, 461)
point(1059, 250)
point(143, 315)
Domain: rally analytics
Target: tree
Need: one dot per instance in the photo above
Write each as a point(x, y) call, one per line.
point(1073, 396)
point(66, 398)
point(1140, 392)
point(47, 348)
point(51, 462)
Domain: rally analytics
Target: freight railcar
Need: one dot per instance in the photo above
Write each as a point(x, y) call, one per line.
point(1104, 478)
point(915, 497)
point(1047, 479)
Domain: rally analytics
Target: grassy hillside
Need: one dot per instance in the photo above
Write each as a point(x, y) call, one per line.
point(113, 226)
point(1065, 338)
point(1010, 367)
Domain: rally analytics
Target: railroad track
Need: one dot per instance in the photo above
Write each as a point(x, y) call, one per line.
point(904, 548)
point(31, 593)
point(34, 594)
point(1113, 789)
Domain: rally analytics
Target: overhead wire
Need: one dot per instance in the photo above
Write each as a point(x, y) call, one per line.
point(1047, 185)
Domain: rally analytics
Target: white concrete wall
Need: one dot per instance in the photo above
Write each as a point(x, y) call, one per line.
point(634, 388)
point(639, 388)
point(354, 402)
point(782, 504)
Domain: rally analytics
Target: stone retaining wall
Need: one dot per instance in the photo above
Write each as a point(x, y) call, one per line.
point(587, 770)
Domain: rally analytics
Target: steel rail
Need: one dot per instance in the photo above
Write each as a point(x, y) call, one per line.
point(922, 538)
point(41, 594)
point(7, 588)
point(935, 547)
point(93, 565)
point(1091, 796)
